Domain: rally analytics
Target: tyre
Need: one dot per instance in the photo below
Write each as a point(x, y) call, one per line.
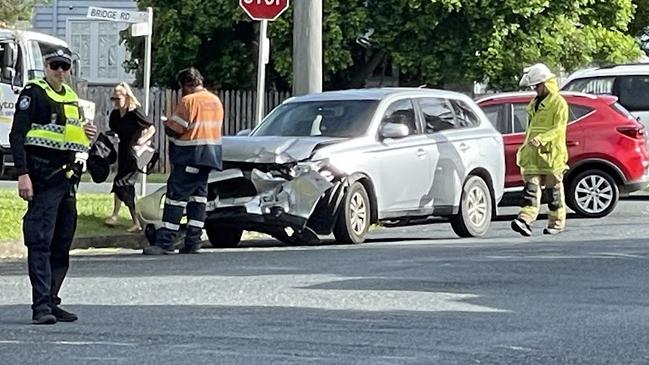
point(353, 221)
point(474, 217)
point(592, 194)
point(223, 236)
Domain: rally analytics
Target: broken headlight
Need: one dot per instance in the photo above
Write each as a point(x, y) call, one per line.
point(321, 166)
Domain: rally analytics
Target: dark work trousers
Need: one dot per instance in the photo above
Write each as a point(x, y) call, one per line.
point(48, 228)
point(186, 192)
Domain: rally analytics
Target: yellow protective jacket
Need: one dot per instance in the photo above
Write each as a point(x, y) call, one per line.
point(547, 123)
point(49, 134)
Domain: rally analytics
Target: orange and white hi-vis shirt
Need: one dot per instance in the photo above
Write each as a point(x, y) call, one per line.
point(198, 121)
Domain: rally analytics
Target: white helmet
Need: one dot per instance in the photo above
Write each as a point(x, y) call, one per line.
point(535, 75)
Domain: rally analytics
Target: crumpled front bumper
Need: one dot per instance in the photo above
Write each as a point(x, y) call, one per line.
point(282, 203)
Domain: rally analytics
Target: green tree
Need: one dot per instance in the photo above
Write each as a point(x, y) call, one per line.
point(13, 11)
point(640, 25)
point(433, 42)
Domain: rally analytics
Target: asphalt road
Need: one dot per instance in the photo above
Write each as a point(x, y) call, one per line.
point(409, 296)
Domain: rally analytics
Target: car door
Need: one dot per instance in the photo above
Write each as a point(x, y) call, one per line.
point(500, 116)
point(439, 119)
point(406, 165)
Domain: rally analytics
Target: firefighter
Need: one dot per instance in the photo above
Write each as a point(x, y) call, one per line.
point(49, 142)
point(543, 156)
point(195, 149)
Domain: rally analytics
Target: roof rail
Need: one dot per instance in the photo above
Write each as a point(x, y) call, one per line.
point(623, 64)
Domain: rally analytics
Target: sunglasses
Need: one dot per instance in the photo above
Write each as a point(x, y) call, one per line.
point(115, 98)
point(59, 65)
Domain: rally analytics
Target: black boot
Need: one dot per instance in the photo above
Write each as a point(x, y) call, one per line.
point(63, 315)
point(521, 227)
point(43, 317)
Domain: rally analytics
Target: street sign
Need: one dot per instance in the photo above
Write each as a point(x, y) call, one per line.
point(264, 9)
point(117, 15)
point(140, 29)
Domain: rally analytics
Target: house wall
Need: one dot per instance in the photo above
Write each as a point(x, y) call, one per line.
point(96, 42)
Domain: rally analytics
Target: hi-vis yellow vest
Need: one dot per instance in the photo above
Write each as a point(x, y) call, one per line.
point(49, 134)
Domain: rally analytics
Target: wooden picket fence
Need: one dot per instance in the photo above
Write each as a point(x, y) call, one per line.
point(238, 105)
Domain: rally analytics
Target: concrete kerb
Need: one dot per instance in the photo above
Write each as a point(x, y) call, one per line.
point(15, 250)
point(10, 250)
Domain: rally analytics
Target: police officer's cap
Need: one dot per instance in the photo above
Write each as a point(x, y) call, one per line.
point(60, 54)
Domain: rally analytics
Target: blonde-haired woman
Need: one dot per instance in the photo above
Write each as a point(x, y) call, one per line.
point(133, 129)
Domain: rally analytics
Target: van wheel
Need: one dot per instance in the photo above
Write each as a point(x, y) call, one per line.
point(221, 236)
point(474, 217)
point(353, 221)
point(592, 194)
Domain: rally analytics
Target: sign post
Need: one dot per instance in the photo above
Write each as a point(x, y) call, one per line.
point(141, 25)
point(264, 11)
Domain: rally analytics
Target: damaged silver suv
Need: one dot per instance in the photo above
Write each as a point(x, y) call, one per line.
point(338, 162)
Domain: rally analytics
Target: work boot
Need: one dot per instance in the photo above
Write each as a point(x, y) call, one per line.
point(519, 225)
point(62, 315)
point(43, 317)
point(552, 231)
point(191, 249)
point(157, 250)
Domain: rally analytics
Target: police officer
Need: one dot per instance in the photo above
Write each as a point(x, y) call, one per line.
point(47, 136)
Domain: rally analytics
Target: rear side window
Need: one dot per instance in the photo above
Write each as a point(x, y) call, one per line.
point(520, 121)
point(633, 92)
point(438, 115)
point(594, 85)
point(578, 111)
point(464, 115)
point(497, 117)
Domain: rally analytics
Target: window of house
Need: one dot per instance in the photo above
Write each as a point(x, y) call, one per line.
point(98, 45)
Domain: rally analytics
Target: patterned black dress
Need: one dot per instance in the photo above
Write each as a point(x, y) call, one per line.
point(129, 129)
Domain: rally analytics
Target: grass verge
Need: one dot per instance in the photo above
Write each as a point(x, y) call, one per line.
point(91, 208)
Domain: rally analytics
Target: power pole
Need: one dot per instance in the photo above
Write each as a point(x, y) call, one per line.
point(307, 46)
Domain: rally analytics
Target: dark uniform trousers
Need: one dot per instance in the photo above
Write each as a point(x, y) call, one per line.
point(186, 192)
point(48, 227)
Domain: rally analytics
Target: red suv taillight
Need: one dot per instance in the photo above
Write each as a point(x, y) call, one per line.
point(637, 132)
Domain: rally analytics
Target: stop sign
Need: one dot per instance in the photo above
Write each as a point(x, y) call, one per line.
point(264, 9)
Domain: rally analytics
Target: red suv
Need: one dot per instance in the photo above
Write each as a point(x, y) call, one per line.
point(607, 147)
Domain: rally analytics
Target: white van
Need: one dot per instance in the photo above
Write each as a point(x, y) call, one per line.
point(630, 83)
point(21, 57)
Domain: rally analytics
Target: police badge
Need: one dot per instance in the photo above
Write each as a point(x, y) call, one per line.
point(24, 102)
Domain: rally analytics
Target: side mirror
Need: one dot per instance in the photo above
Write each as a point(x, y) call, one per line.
point(243, 133)
point(394, 130)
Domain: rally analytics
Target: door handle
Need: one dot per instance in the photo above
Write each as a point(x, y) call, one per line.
point(464, 147)
point(572, 143)
point(421, 153)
